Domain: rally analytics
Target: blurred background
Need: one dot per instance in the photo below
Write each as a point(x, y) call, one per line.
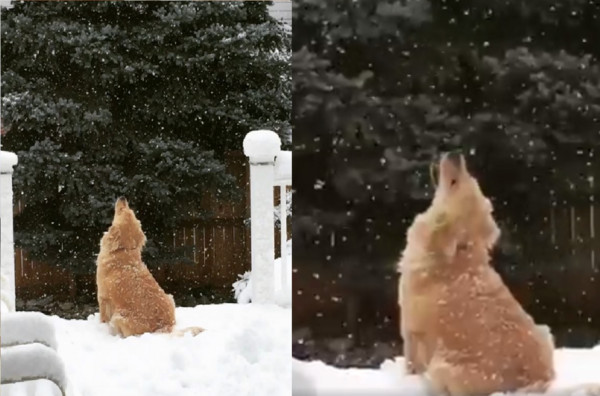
point(150, 100)
point(379, 89)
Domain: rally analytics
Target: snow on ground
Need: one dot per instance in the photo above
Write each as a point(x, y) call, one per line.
point(573, 366)
point(244, 350)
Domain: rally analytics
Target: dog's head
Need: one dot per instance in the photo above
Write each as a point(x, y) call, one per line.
point(125, 231)
point(459, 202)
point(459, 215)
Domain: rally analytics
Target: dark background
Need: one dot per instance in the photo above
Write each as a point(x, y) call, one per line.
point(380, 89)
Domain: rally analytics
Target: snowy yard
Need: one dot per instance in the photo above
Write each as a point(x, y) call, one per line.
point(573, 366)
point(244, 350)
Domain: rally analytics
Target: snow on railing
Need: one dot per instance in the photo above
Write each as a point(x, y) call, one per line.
point(269, 167)
point(7, 250)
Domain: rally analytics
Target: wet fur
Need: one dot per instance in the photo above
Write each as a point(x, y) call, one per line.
point(129, 298)
point(461, 326)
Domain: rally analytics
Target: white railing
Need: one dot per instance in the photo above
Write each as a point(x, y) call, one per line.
point(7, 250)
point(269, 167)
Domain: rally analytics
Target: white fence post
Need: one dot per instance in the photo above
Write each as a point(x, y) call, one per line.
point(283, 235)
point(261, 147)
point(7, 250)
point(283, 178)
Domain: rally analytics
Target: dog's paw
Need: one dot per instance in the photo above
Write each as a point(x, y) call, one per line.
point(410, 368)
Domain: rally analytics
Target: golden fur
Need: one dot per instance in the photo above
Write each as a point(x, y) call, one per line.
point(461, 326)
point(130, 299)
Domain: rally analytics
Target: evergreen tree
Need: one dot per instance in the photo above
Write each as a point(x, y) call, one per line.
point(381, 87)
point(142, 99)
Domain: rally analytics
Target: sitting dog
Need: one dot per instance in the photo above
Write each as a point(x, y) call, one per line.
point(461, 326)
point(130, 299)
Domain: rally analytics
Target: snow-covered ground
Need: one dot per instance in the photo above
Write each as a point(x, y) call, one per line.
point(573, 366)
point(244, 350)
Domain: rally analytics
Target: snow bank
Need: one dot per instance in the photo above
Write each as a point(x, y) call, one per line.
point(573, 367)
point(244, 351)
point(242, 289)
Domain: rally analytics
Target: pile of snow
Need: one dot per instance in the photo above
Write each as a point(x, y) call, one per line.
point(244, 350)
point(573, 366)
point(242, 288)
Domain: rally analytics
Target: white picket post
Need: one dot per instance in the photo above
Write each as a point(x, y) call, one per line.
point(283, 232)
point(262, 147)
point(7, 250)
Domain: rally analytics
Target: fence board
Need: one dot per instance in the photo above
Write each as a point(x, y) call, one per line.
point(38, 277)
point(563, 227)
point(596, 239)
point(582, 247)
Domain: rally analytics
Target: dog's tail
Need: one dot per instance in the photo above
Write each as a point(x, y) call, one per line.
point(591, 389)
point(193, 330)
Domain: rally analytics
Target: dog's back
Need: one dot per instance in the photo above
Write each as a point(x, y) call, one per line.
point(138, 303)
point(467, 319)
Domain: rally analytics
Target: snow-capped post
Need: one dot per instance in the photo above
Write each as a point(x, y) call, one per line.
point(7, 250)
point(262, 147)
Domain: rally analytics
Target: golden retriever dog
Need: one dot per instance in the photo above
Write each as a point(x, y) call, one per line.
point(462, 328)
point(130, 299)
